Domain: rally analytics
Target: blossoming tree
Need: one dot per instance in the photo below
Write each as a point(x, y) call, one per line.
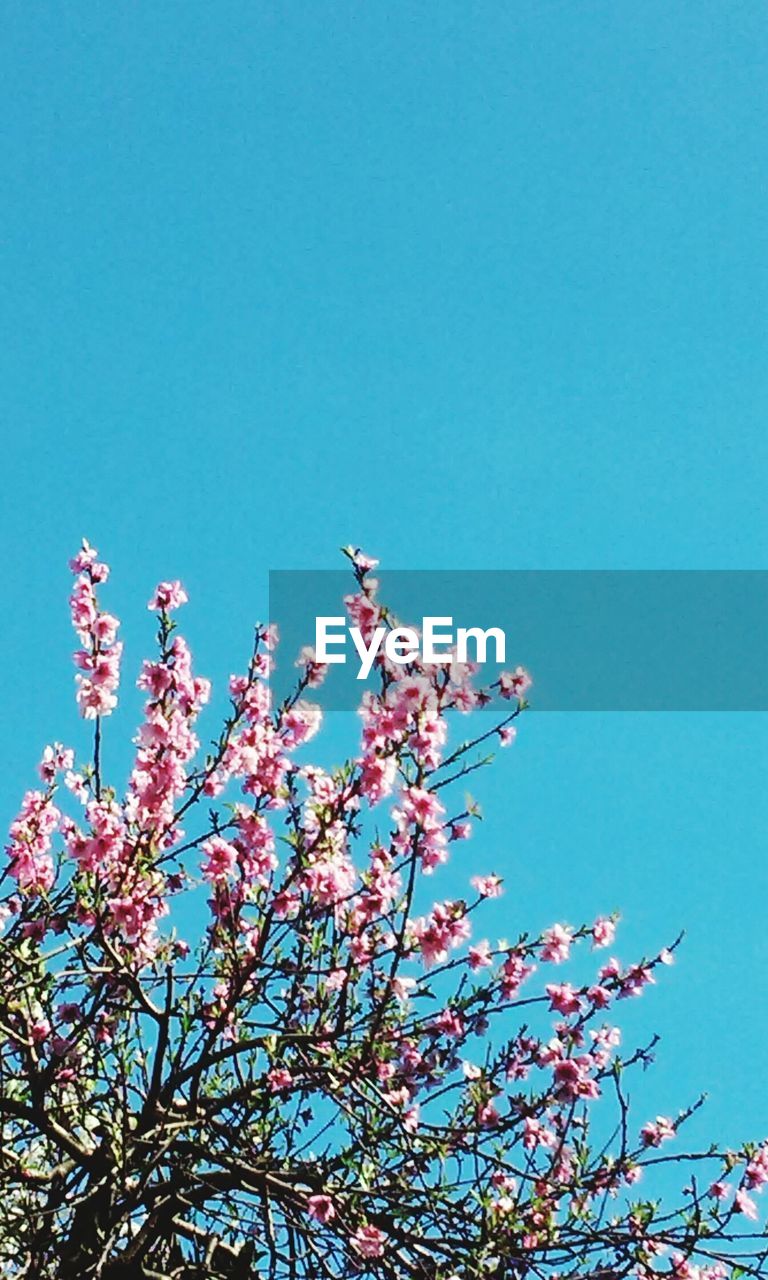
point(323, 1082)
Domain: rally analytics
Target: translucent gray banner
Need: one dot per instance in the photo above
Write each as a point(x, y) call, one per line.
point(598, 640)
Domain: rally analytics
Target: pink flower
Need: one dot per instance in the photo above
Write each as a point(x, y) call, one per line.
point(487, 886)
point(56, 759)
point(402, 988)
point(488, 1115)
point(442, 931)
point(503, 1205)
point(514, 684)
point(514, 972)
point(757, 1170)
point(572, 1078)
point(84, 558)
point(131, 916)
point(279, 1078)
point(503, 1182)
point(330, 880)
point(368, 1241)
point(606, 1037)
point(563, 998)
point(314, 671)
point(557, 944)
point(603, 932)
point(75, 782)
point(360, 559)
point(411, 1120)
point(743, 1203)
point(535, 1134)
point(422, 808)
point(321, 1208)
point(634, 980)
point(167, 596)
point(300, 723)
point(480, 956)
point(657, 1131)
point(448, 1023)
point(222, 858)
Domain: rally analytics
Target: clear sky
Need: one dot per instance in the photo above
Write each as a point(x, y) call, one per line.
point(472, 285)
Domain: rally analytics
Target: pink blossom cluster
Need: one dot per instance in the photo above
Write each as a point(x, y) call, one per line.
point(29, 850)
point(442, 931)
point(755, 1178)
point(99, 657)
point(123, 892)
point(258, 751)
point(115, 850)
point(166, 741)
point(420, 826)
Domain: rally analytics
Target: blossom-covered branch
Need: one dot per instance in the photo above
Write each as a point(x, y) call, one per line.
point(242, 1034)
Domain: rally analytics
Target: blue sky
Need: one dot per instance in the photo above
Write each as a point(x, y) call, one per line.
point(471, 285)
